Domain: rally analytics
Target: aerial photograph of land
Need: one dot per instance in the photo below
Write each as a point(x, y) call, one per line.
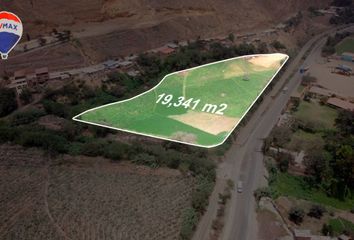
point(230, 87)
point(177, 120)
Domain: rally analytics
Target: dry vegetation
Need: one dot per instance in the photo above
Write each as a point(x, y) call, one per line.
point(90, 199)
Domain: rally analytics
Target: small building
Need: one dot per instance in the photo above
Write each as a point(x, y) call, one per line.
point(165, 50)
point(110, 64)
point(172, 45)
point(306, 235)
point(131, 57)
point(42, 75)
point(339, 103)
point(133, 73)
point(183, 43)
point(302, 234)
point(344, 237)
point(18, 85)
point(125, 65)
point(347, 56)
point(317, 92)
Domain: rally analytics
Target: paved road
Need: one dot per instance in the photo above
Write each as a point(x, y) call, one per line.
point(247, 150)
point(244, 161)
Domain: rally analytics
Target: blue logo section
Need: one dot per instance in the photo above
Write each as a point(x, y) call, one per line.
point(10, 32)
point(7, 41)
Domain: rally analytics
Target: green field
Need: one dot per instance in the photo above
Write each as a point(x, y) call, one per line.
point(347, 45)
point(199, 106)
point(339, 225)
point(296, 186)
point(320, 116)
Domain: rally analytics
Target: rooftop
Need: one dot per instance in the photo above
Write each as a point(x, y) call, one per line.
point(320, 91)
point(341, 104)
point(348, 54)
point(41, 70)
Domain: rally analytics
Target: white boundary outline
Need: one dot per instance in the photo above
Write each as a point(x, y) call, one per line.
point(7, 53)
point(152, 89)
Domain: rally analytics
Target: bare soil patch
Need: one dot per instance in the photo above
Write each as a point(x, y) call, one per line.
point(210, 123)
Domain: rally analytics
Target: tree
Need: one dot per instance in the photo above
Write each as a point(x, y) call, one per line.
point(296, 215)
point(262, 48)
point(317, 165)
point(327, 230)
point(283, 161)
point(231, 37)
point(345, 122)
point(26, 96)
point(281, 135)
point(7, 101)
point(316, 211)
point(278, 45)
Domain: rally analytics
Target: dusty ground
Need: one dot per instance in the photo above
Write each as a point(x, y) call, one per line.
point(315, 225)
point(269, 61)
point(112, 28)
point(87, 198)
point(342, 85)
point(208, 122)
point(60, 57)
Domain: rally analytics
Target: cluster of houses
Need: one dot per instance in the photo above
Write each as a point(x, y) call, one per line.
point(24, 79)
point(317, 92)
point(30, 78)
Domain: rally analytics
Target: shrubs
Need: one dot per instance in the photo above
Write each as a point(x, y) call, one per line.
point(189, 222)
point(262, 192)
point(26, 117)
point(7, 101)
point(278, 45)
point(316, 211)
point(296, 215)
point(327, 230)
point(200, 196)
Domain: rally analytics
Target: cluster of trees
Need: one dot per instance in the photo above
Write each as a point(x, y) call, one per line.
point(296, 214)
point(331, 168)
point(345, 15)
point(121, 85)
point(194, 54)
point(329, 48)
point(7, 101)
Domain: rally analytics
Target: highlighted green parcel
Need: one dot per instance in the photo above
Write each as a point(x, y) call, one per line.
point(200, 106)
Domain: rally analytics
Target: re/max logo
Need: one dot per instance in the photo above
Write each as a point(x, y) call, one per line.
point(8, 26)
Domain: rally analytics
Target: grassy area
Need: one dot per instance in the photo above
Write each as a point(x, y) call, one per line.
point(182, 104)
point(347, 45)
point(322, 117)
point(301, 140)
point(339, 225)
point(300, 89)
point(295, 186)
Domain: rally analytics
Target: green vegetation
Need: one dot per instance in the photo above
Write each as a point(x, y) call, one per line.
point(332, 41)
point(315, 117)
point(217, 84)
point(298, 187)
point(296, 215)
point(340, 226)
point(347, 45)
point(277, 45)
point(7, 101)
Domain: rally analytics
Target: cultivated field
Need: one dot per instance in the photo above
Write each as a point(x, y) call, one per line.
point(87, 198)
point(199, 106)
